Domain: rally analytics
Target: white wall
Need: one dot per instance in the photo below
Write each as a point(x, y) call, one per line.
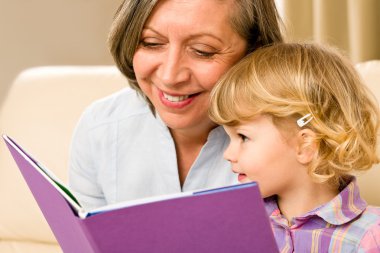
point(52, 32)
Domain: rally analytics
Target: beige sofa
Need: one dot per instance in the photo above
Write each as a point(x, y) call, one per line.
point(40, 112)
point(369, 181)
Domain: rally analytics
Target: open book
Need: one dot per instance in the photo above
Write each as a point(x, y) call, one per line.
point(227, 219)
point(71, 199)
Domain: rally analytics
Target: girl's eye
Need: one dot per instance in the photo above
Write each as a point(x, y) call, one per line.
point(243, 137)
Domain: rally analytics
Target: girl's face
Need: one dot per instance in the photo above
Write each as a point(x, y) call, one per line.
point(186, 45)
point(258, 151)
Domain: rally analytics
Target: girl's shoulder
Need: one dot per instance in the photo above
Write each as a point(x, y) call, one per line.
point(372, 211)
point(370, 220)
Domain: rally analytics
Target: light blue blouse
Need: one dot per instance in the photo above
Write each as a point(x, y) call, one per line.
point(120, 152)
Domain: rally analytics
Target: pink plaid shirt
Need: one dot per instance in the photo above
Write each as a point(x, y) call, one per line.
point(345, 224)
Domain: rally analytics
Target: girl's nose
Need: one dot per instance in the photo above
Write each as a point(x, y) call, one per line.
point(229, 154)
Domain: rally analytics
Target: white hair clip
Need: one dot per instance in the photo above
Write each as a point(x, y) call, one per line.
point(304, 120)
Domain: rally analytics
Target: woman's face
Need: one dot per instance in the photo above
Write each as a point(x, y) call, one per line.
point(185, 46)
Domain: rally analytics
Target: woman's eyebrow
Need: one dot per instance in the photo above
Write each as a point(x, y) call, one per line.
point(206, 34)
point(150, 29)
point(192, 36)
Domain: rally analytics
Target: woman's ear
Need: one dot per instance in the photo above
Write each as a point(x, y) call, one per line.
point(307, 147)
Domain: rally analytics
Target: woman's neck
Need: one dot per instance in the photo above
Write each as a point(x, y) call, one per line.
point(305, 198)
point(188, 144)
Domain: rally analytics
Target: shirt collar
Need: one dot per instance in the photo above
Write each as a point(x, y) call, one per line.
point(346, 206)
point(215, 135)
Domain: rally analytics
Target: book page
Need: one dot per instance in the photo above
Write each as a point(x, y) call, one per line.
point(48, 175)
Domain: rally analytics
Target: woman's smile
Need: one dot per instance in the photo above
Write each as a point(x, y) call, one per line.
point(176, 101)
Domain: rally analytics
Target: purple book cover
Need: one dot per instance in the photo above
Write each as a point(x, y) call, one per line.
point(229, 219)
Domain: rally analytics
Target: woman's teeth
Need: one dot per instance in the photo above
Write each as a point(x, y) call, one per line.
point(175, 98)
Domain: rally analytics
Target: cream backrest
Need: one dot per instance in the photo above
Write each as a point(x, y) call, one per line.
point(369, 182)
point(40, 112)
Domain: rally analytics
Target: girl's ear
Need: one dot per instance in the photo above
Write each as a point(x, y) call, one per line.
point(307, 147)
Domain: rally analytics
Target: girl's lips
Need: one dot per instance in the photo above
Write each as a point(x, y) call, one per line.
point(241, 177)
point(176, 102)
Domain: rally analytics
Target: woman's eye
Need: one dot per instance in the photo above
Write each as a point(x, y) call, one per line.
point(149, 44)
point(243, 137)
point(203, 50)
point(204, 54)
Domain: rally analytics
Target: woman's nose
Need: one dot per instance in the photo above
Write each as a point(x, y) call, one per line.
point(174, 68)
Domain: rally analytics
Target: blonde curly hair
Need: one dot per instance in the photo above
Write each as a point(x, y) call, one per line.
point(288, 81)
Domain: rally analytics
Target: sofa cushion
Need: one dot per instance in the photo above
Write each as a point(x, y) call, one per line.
point(369, 181)
point(16, 246)
point(40, 112)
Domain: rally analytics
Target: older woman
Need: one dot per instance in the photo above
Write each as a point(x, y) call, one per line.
point(157, 138)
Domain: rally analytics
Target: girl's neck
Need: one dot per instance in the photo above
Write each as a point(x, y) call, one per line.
point(305, 198)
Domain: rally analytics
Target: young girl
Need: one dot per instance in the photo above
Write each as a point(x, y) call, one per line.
point(300, 121)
